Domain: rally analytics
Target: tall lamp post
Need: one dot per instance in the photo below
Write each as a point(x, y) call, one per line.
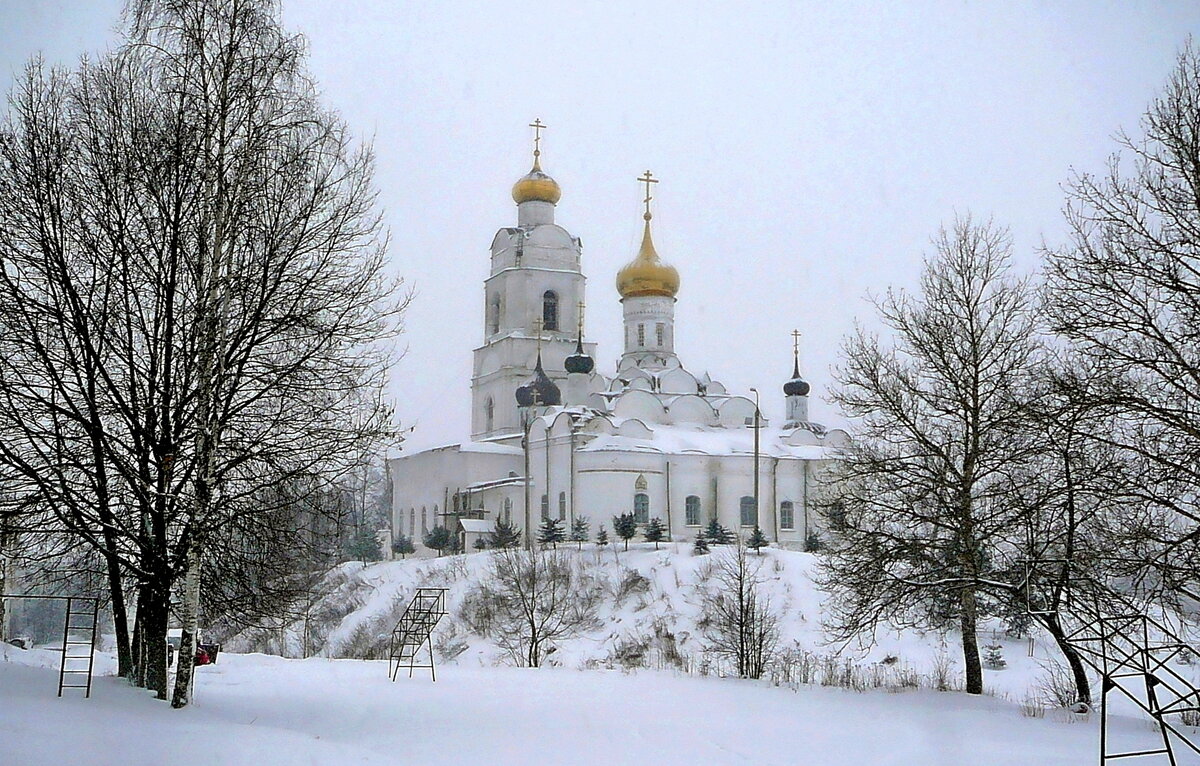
point(756, 427)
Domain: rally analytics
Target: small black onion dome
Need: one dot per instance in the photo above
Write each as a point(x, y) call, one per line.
point(524, 396)
point(579, 361)
point(797, 386)
point(539, 391)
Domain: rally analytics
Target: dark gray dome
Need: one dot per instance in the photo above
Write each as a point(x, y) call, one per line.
point(540, 391)
point(579, 361)
point(797, 386)
point(524, 396)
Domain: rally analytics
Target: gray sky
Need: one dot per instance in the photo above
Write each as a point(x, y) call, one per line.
point(807, 151)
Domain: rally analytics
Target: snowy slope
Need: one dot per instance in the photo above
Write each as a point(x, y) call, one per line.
point(651, 601)
point(623, 709)
point(263, 710)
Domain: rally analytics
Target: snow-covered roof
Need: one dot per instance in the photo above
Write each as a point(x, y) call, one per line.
point(489, 483)
point(498, 449)
point(675, 440)
point(483, 447)
point(476, 525)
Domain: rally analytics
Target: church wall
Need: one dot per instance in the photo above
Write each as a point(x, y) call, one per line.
point(790, 485)
point(602, 484)
point(427, 480)
point(606, 484)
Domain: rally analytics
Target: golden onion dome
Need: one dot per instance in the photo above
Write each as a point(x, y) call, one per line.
point(647, 274)
point(536, 186)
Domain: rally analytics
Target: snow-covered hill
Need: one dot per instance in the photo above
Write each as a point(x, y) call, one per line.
point(635, 701)
point(650, 616)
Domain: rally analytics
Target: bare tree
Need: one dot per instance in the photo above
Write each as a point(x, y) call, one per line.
point(196, 308)
point(1125, 292)
point(939, 417)
point(738, 621)
point(1068, 495)
point(531, 600)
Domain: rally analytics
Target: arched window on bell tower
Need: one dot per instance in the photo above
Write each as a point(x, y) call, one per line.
point(489, 413)
point(493, 314)
point(550, 310)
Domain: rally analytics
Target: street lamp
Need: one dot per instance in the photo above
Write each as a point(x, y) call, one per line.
point(757, 415)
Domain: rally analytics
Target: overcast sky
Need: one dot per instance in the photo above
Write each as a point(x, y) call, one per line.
point(807, 151)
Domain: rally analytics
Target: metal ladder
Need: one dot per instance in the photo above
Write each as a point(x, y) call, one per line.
point(413, 630)
point(79, 631)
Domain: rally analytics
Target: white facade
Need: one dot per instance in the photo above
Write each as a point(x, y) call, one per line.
point(652, 439)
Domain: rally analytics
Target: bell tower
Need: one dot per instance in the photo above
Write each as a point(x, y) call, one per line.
point(535, 288)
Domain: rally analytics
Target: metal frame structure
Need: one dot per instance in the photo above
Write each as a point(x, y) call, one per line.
point(67, 664)
point(1131, 651)
point(427, 608)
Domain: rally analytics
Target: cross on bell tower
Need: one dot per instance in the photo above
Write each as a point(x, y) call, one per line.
point(538, 126)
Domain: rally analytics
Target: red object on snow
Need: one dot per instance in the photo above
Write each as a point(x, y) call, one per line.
point(202, 657)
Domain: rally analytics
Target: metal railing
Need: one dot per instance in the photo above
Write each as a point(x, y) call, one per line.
point(1133, 653)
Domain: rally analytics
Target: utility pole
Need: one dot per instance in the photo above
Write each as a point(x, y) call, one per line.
point(756, 427)
point(525, 443)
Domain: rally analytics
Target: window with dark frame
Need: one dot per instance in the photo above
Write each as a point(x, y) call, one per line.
point(749, 513)
point(641, 508)
point(549, 310)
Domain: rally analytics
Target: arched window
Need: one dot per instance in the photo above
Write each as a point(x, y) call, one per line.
point(545, 507)
point(412, 522)
point(641, 336)
point(489, 413)
point(787, 515)
point(660, 330)
point(691, 511)
point(494, 314)
point(424, 521)
point(549, 310)
point(562, 506)
point(508, 510)
point(641, 508)
point(749, 512)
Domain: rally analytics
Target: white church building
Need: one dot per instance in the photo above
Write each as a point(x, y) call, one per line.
point(553, 436)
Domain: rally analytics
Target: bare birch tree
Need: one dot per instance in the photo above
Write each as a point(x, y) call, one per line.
point(193, 273)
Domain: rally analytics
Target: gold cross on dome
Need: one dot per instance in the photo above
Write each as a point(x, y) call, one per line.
point(537, 328)
point(538, 126)
point(796, 342)
point(647, 179)
point(581, 319)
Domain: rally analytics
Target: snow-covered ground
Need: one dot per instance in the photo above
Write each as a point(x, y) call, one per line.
point(258, 709)
point(586, 706)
